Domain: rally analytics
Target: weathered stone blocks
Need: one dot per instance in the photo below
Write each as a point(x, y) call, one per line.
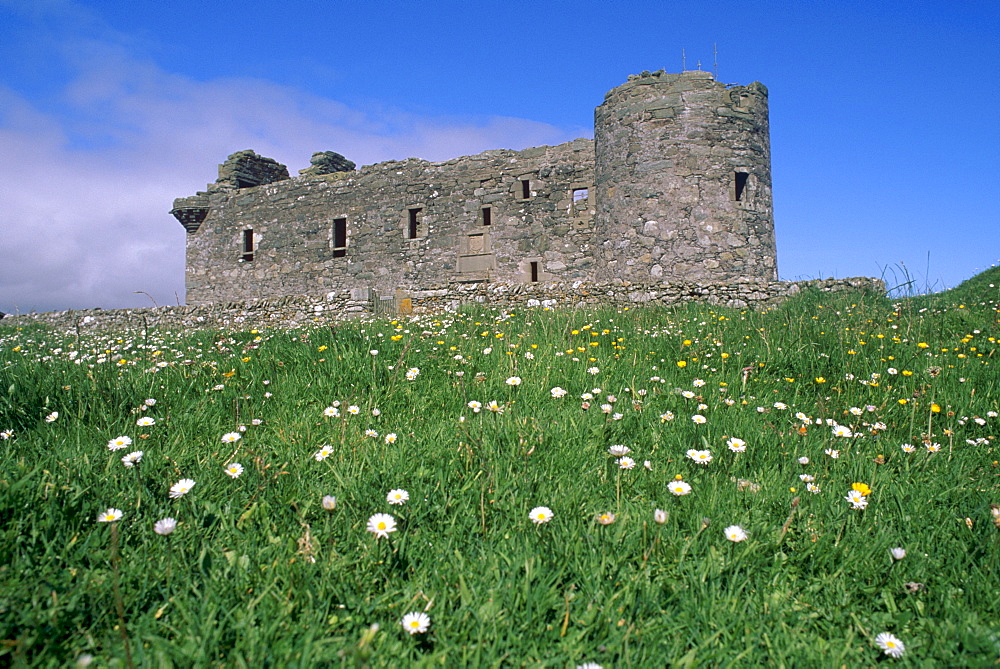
point(330, 306)
point(675, 186)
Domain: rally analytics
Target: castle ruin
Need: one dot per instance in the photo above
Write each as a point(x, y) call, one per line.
point(675, 186)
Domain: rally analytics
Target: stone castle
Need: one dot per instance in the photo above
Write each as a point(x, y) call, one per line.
point(674, 187)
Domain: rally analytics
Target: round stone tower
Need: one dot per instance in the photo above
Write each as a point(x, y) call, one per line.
point(683, 180)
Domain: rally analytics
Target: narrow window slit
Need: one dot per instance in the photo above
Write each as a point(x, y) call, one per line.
point(741, 185)
point(247, 245)
point(579, 203)
point(339, 237)
point(413, 223)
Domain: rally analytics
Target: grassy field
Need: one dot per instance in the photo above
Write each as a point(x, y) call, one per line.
point(531, 465)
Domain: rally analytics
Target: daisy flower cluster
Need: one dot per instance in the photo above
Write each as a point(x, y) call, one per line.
point(181, 487)
point(696, 448)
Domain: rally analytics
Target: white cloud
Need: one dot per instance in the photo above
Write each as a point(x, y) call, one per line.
point(89, 180)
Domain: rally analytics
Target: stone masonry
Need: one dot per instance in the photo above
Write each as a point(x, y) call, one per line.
point(684, 180)
point(675, 187)
point(310, 310)
point(405, 224)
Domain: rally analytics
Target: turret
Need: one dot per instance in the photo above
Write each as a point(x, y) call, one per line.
point(683, 180)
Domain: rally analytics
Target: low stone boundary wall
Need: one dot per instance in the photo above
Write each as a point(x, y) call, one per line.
point(295, 311)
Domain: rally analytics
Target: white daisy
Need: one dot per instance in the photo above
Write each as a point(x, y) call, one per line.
point(181, 488)
point(892, 646)
point(381, 524)
point(540, 515)
point(397, 496)
point(164, 526)
point(701, 457)
point(842, 431)
point(679, 488)
point(416, 622)
point(735, 533)
point(119, 443)
point(109, 516)
point(132, 459)
point(857, 500)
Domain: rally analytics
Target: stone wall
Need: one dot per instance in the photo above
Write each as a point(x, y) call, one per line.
point(500, 215)
point(327, 162)
point(290, 312)
point(683, 172)
point(676, 186)
point(245, 169)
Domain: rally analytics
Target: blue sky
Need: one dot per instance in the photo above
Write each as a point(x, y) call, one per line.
point(884, 124)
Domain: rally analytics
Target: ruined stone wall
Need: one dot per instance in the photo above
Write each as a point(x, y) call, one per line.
point(675, 186)
point(329, 308)
point(245, 169)
point(683, 180)
point(408, 224)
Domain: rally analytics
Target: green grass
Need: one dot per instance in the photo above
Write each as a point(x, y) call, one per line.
point(258, 573)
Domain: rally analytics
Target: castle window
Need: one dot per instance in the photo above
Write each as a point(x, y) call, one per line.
point(525, 189)
point(487, 217)
point(247, 245)
point(740, 185)
point(533, 267)
point(339, 237)
point(579, 202)
point(414, 223)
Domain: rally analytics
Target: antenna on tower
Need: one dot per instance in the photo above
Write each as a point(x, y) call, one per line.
point(684, 61)
point(715, 61)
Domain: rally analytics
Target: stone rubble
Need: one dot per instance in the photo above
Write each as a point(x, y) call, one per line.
point(337, 305)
